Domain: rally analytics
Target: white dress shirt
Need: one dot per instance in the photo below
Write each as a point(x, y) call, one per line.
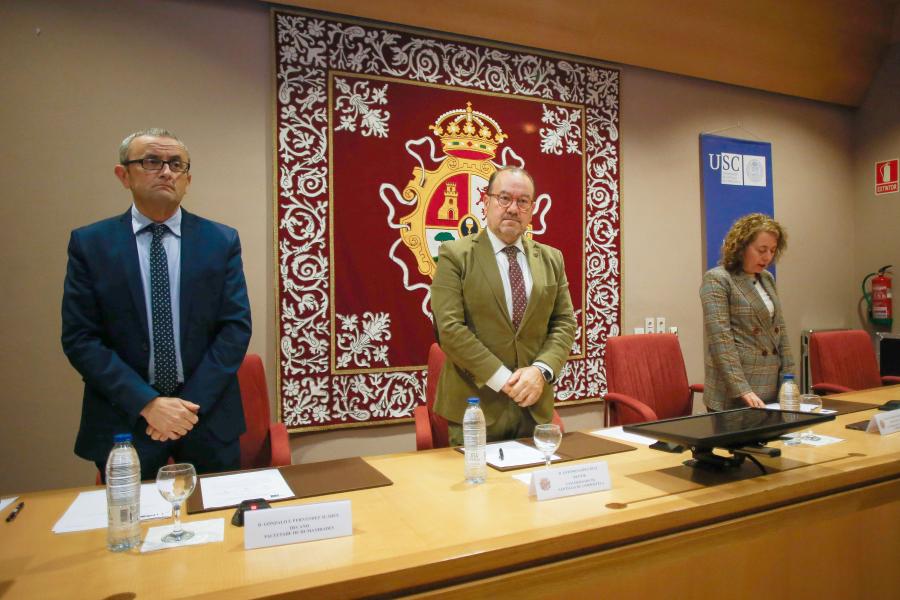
point(764, 295)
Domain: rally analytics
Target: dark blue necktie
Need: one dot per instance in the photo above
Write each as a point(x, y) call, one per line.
point(165, 371)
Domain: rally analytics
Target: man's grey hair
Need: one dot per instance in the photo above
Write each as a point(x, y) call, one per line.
point(509, 169)
point(153, 131)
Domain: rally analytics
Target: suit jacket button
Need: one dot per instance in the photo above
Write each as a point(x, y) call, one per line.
point(775, 351)
point(756, 331)
point(145, 347)
point(776, 330)
point(765, 352)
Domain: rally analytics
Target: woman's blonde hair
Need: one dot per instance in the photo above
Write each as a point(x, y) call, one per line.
point(745, 231)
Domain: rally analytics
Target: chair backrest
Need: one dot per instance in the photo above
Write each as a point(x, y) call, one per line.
point(439, 431)
point(255, 443)
point(844, 358)
point(649, 368)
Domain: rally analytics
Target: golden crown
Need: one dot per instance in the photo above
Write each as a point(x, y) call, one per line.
point(468, 133)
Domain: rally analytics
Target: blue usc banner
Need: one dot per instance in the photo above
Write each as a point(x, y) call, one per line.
point(737, 180)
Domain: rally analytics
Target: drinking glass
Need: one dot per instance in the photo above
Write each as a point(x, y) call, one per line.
point(547, 438)
point(809, 403)
point(175, 483)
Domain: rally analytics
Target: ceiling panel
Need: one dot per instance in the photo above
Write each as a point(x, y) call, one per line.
point(824, 50)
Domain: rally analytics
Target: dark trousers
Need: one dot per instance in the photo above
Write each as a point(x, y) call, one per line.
point(199, 447)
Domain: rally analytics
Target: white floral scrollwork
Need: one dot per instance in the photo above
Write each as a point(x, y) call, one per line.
point(357, 103)
point(357, 343)
point(564, 131)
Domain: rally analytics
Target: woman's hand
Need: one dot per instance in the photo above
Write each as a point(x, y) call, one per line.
point(752, 400)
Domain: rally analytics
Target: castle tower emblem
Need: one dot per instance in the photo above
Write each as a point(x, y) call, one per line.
point(449, 209)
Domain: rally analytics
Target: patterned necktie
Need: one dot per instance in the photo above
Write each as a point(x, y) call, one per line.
point(165, 372)
point(517, 285)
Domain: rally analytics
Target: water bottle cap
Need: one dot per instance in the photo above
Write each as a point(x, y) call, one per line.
point(473, 400)
point(789, 376)
point(120, 438)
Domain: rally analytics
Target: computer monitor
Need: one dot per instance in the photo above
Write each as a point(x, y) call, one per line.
point(741, 431)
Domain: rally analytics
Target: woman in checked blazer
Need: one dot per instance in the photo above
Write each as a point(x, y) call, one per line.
point(746, 349)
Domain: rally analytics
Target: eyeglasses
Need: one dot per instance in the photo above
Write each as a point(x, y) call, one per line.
point(176, 165)
point(504, 199)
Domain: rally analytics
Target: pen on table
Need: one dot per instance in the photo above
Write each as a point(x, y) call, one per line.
point(501, 453)
point(15, 512)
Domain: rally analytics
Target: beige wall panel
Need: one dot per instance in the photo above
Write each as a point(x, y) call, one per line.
point(662, 118)
point(877, 218)
point(77, 78)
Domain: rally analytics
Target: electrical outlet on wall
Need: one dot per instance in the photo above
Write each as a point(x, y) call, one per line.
point(660, 324)
point(649, 324)
point(673, 329)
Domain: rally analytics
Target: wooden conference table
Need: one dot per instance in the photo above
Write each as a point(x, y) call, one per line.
point(825, 525)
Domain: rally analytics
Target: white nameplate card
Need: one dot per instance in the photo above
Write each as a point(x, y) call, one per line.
point(885, 422)
point(571, 480)
point(292, 524)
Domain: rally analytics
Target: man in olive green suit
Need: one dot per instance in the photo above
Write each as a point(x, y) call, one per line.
point(503, 315)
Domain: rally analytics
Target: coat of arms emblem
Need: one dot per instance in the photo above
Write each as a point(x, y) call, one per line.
point(447, 200)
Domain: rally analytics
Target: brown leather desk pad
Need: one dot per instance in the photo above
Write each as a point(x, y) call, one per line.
point(858, 425)
point(312, 479)
point(574, 446)
point(845, 406)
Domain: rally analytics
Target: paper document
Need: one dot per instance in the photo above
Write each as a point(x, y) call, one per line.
point(88, 511)
point(515, 454)
point(617, 433)
point(816, 439)
point(803, 408)
point(7, 501)
point(205, 532)
point(230, 490)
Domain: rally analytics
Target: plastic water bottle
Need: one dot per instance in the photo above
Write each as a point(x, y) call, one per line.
point(475, 440)
point(789, 394)
point(123, 495)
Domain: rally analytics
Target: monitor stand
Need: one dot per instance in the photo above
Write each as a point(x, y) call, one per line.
point(705, 458)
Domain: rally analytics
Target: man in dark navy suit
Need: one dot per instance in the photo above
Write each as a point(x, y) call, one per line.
point(156, 319)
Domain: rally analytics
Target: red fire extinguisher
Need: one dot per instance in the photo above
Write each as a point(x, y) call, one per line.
point(879, 299)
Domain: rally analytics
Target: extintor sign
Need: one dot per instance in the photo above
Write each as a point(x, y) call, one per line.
point(886, 177)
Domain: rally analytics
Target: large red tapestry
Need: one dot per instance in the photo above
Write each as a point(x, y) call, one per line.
point(385, 142)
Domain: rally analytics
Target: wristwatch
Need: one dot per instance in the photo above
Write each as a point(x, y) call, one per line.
point(547, 373)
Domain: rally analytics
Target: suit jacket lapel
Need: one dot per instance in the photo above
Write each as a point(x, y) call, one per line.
point(745, 284)
point(190, 250)
point(770, 322)
point(132, 267)
point(487, 262)
point(538, 278)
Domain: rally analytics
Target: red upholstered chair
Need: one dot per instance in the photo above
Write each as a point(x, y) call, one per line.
point(646, 379)
point(431, 428)
point(264, 444)
point(843, 361)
